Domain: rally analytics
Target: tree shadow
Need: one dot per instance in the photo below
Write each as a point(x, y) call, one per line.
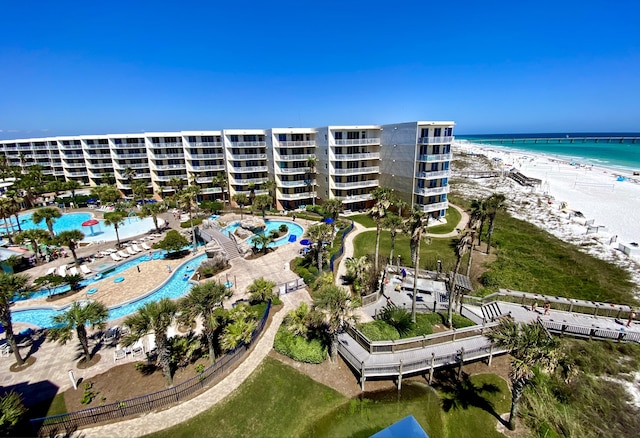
point(463, 393)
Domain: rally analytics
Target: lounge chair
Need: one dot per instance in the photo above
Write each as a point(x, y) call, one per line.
point(62, 271)
point(116, 257)
point(137, 349)
point(151, 342)
point(111, 335)
point(119, 353)
point(145, 246)
point(51, 271)
point(131, 251)
point(5, 349)
point(110, 250)
point(123, 254)
point(137, 248)
point(85, 270)
point(74, 271)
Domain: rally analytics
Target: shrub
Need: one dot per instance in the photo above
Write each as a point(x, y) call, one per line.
point(298, 348)
point(212, 266)
point(397, 317)
point(460, 321)
point(189, 223)
point(378, 331)
point(88, 395)
point(283, 228)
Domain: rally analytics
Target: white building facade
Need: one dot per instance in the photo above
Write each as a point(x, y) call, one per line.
point(304, 164)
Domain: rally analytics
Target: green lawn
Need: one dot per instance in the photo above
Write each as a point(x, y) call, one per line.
point(438, 249)
point(453, 217)
point(364, 219)
point(279, 401)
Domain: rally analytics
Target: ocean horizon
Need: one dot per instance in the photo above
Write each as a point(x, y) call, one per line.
point(614, 155)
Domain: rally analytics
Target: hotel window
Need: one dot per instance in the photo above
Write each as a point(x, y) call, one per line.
point(282, 137)
point(437, 132)
point(448, 132)
point(192, 139)
point(353, 135)
point(233, 138)
point(424, 132)
point(338, 135)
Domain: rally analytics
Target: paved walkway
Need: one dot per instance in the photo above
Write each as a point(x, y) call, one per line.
point(156, 421)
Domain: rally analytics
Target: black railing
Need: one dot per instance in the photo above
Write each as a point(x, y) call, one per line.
point(66, 423)
point(337, 255)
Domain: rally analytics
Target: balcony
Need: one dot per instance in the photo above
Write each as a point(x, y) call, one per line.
point(435, 140)
point(75, 164)
point(42, 147)
point(210, 190)
point(126, 155)
point(106, 156)
point(43, 163)
point(296, 144)
point(429, 208)
point(123, 166)
point(77, 173)
point(212, 167)
point(357, 184)
point(248, 144)
point(357, 141)
point(70, 146)
point(294, 196)
point(249, 169)
point(163, 145)
point(168, 166)
point(24, 148)
point(355, 198)
point(100, 165)
point(357, 170)
point(97, 146)
point(432, 191)
point(248, 157)
point(292, 170)
point(301, 157)
point(431, 158)
point(248, 181)
point(436, 174)
point(141, 145)
point(169, 178)
point(167, 156)
point(206, 143)
point(293, 184)
point(206, 156)
point(363, 156)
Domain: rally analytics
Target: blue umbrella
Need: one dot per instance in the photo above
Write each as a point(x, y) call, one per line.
point(328, 220)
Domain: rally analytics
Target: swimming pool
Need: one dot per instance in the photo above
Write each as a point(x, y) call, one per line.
point(294, 229)
point(175, 287)
point(133, 226)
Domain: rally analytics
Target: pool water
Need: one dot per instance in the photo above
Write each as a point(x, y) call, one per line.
point(294, 229)
point(69, 221)
point(173, 288)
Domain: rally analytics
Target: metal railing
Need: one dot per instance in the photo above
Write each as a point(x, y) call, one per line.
point(50, 426)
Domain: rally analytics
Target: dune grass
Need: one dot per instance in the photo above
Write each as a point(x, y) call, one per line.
point(453, 219)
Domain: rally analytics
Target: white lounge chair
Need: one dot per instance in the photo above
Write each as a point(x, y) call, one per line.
point(137, 248)
point(85, 270)
point(74, 271)
point(119, 353)
point(123, 254)
point(131, 251)
point(145, 246)
point(111, 335)
point(110, 250)
point(116, 257)
point(137, 349)
point(5, 349)
point(51, 271)
point(62, 271)
point(151, 342)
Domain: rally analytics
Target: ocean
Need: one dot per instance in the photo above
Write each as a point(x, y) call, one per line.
point(623, 156)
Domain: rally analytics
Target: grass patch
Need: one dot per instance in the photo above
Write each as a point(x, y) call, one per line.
point(453, 217)
point(379, 330)
point(439, 249)
point(364, 219)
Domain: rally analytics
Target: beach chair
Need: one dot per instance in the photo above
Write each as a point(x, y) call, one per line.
point(119, 353)
point(62, 271)
point(85, 270)
point(137, 248)
point(116, 257)
point(111, 335)
point(137, 349)
point(51, 271)
point(110, 251)
point(74, 271)
point(123, 254)
point(5, 349)
point(131, 251)
point(145, 246)
point(151, 342)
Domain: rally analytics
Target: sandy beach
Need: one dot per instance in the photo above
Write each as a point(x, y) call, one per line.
point(593, 207)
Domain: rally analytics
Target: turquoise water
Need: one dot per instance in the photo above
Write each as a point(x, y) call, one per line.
point(622, 156)
point(174, 288)
point(294, 229)
point(70, 221)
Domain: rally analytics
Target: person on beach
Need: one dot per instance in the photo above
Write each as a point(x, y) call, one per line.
point(547, 307)
point(169, 269)
point(630, 320)
point(534, 305)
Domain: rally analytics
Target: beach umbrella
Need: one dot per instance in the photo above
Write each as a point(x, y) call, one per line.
point(90, 223)
point(328, 220)
point(305, 242)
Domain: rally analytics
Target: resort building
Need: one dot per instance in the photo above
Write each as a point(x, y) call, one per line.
point(304, 165)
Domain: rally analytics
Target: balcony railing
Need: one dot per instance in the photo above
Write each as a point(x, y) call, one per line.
point(355, 198)
point(428, 208)
point(202, 168)
point(292, 170)
point(69, 146)
point(123, 166)
point(357, 184)
point(169, 178)
point(294, 196)
point(357, 170)
point(99, 156)
point(362, 156)
point(293, 144)
point(206, 156)
point(99, 165)
point(250, 180)
point(96, 146)
point(432, 191)
point(248, 144)
point(300, 157)
point(167, 156)
point(434, 175)
point(435, 140)
point(141, 145)
point(293, 183)
point(43, 147)
point(128, 155)
point(78, 172)
point(430, 158)
point(168, 166)
point(177, 144)
point(75, 165)
point(249, 169)
point(249, 157)
point(357, 141)
point(206, 143)
point(210, 190)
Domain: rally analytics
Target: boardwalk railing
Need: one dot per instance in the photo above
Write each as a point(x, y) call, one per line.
point(66, 423)
point(379, 347)
point(337, 255)
point(588, 332)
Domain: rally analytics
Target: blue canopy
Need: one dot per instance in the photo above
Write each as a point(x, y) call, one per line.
point(328, 220)
point(407, 427)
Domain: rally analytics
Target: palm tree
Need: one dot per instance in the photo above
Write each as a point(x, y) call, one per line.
point(176, 183)
point(70, 239)
point(115, 219)
point(128, 174)
point(11, 411)
point(10, 286)
point(36, 236)
point(393, 223)
point(530, 347)
point(220, 180)
point(296, 320)
point(472, 238)
point(478, 216)
point(15, 205)
point(332, 207)
point(416, 225)
point(311, 163)
point(320, 233)
point(461, 249)
point(262, 202)
point(202, 300)
point(78, 317)
point(382, 201)
point(252, 192)
point(239, 330)
point(400, 204)
point(241, 200)
point(139, 189)
point(155, 317)
point(261, 290)
point(335, 302)
point(48, 215)
point(5, 214)
point(263, 241)
point(270, 186)
point(73, 186)
point(153, 210)
point(495, 203)
point(357, 268)
point(106, 194)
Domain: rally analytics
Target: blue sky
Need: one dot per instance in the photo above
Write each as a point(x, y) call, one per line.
point(69, 68)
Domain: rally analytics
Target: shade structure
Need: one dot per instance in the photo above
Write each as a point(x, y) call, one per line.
point(90, 223)
point(305, 242)
point(328, 220)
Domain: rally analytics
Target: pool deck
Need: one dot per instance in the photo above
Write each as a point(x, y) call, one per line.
point(54, 361)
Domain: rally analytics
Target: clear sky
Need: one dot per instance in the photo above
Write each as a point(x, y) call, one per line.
point(98, 67)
